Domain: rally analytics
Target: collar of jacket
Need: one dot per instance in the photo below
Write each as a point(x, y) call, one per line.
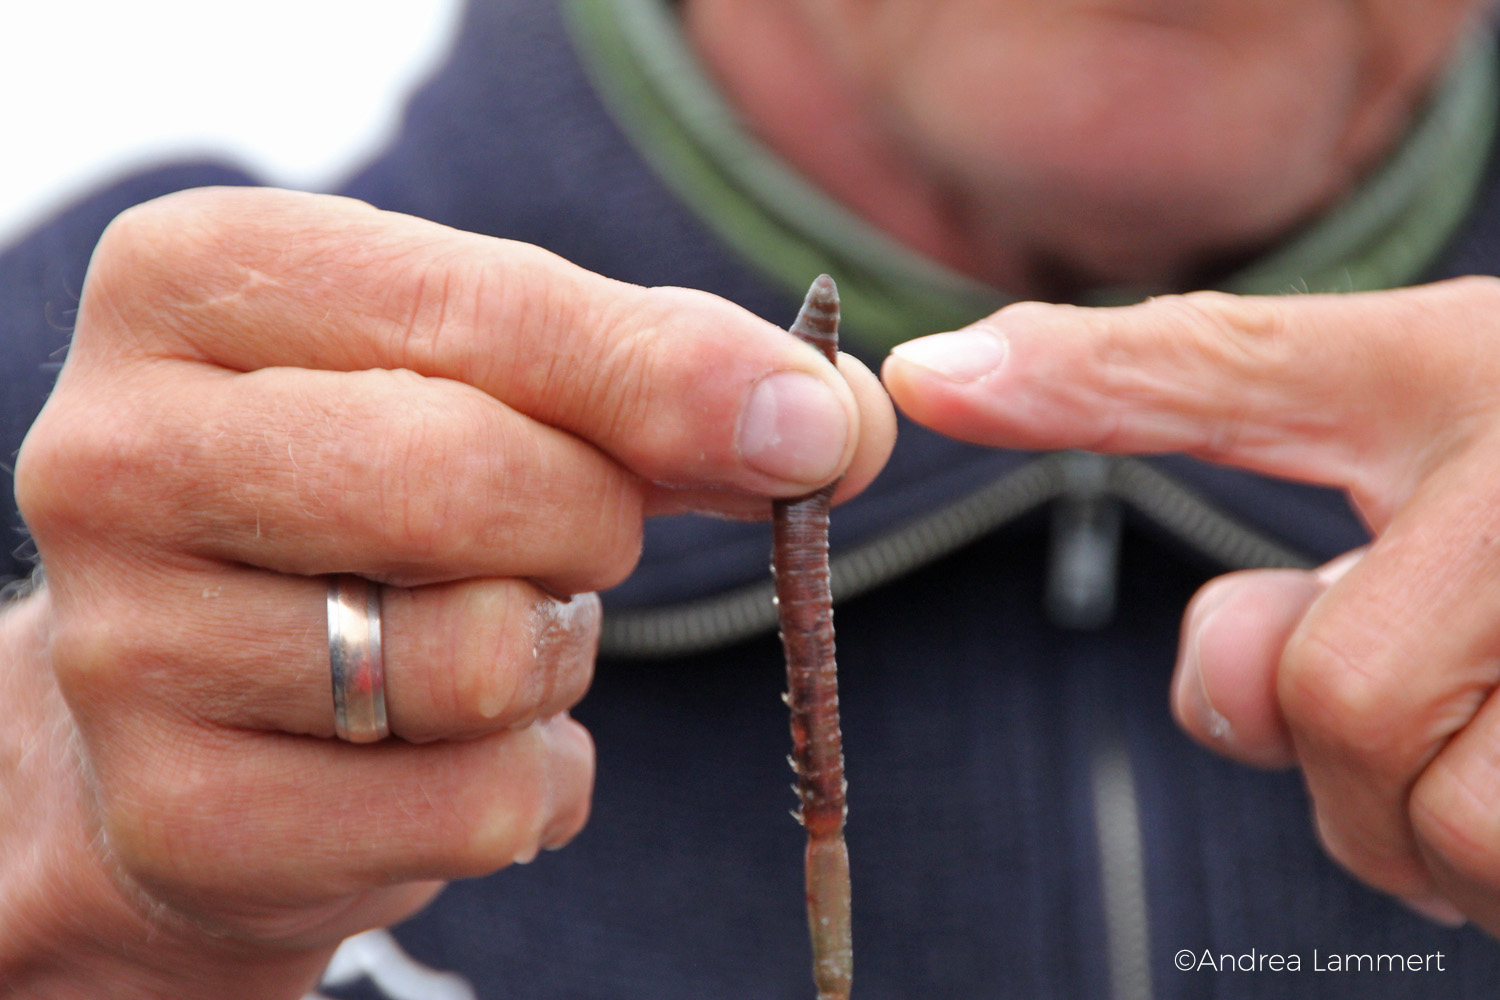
point(702, 583)
point(1384, 234)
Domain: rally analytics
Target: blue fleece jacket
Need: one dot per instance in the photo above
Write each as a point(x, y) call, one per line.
point(1025, 820)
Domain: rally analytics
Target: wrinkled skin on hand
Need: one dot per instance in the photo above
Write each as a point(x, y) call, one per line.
point(265, 388)
point(1376, 675)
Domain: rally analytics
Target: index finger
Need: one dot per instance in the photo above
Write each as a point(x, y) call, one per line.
point(1355, 391)
point(681, 387)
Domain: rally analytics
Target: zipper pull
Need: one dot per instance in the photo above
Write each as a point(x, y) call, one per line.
point(1084, 558)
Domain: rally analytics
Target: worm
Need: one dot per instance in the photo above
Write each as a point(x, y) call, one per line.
point(799, 563)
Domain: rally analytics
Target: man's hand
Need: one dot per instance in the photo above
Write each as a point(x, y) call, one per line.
point(1375, 675)
point(265, 388)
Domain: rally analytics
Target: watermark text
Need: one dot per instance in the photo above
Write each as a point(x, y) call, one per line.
point(1254, 960)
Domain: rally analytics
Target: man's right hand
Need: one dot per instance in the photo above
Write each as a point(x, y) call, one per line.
point(265, 388)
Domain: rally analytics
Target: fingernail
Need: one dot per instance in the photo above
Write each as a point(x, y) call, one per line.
point(1197, 703)
point(1210, 718)
point(961, 356)
point(1435, 908)
point(562, 823)
point(1330, 573)
point(793, 428)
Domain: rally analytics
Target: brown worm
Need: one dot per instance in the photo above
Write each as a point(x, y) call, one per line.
point(805, 609)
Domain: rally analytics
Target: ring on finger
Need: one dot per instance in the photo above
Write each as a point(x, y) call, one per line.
point(355, 660)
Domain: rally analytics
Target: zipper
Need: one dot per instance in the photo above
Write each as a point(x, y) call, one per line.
point(1122, 867)
point(1198, 523)
point(1083, 561)
point(698, 625)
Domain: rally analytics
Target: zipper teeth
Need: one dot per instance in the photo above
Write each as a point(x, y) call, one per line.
point(1197, 522)
point(698, 625)
point(1122, 867)
point(693, 626)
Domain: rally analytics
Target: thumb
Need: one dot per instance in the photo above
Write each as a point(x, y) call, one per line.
point(1233, 633)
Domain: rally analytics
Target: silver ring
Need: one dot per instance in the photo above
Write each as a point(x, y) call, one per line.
point(355, 660)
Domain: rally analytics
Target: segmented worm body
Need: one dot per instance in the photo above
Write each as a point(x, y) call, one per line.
point(805, 609)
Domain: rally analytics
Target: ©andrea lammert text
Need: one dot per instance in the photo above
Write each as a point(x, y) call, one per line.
point(1253, 960)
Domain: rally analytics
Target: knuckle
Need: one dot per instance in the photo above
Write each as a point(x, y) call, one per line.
point(423, 481)
point(149, 252)
point(443, 298)
point(644, 374)
point(147, 821)
point(88, 658)
point(167, 268)
point(42, 472)
point(1177, 353)
point(115, 662)
point(476, 487)
point(1248, 332)
point(625, 386)
point(577, 515)
point(166, 818)
point(81, 468)
point(413, 495)
point(1215, 310)
point(535, 318)
point(1327, 696)
point(128, 241)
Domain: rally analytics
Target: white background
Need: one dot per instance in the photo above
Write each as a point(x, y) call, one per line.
point(300, 92)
